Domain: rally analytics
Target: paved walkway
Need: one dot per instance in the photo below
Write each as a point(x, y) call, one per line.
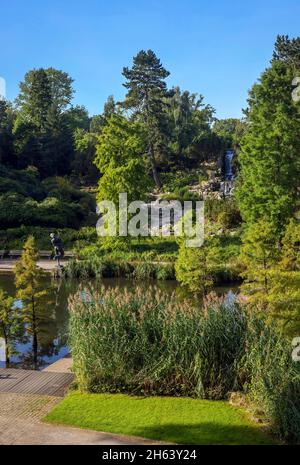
point(47, 265)
point(63, 365)
point(20, 424)
point(26, 397)
point(34, 382)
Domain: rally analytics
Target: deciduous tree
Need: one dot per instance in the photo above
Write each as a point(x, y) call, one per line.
point(120, 158)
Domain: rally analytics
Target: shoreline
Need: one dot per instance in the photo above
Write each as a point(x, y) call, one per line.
point(7, 265)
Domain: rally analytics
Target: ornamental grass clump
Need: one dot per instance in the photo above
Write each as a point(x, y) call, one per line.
point(106, 267)
point(149, 343)
point(152, 344)
point(96, 267)
point(273, 378)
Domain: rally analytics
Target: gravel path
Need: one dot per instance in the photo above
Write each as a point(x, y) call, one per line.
point(20, 424)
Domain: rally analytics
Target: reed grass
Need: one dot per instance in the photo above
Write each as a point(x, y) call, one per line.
point(105, 267)
point(150, 344)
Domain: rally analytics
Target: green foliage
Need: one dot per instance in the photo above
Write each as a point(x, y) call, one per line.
point(77, 117)
point(147, 270)
point(119, 157)
point(85, 149)
point(147, 91)
point(54, 202)
point(231, 131)
point(107, 266)
point(25, 182)
point(287, 50)
point(230, 217)
point(225, 212)
point(216, 262)
point(7, 155)
point(190, 138)
point(284, 299)
point(193, 268)
point(150, 344)
point(15, 238)
point(259, 254)
point(177, 185)
point(268, 189)
point(33, 294)
point(165, 272)
point(273, 379)
point(51, 212)
point(42, 135)
point(155, 249)
point(269, 158)
point(98, 267)
point(272, 275)
point(175, 180)
point(291, 246)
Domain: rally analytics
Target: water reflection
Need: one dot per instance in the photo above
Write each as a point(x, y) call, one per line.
point(51, 333)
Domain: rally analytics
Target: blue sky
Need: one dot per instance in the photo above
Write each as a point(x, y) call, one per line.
point(217, 48)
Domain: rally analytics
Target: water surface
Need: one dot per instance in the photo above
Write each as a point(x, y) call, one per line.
point(53, 336)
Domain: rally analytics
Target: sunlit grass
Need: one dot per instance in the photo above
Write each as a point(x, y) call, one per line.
point(177, 420)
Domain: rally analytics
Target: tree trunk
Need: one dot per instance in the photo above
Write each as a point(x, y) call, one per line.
point(7, 351)
point(34, 336)
point(154, 167)
point(151, 146)
point(7, 357)
point(35, 350)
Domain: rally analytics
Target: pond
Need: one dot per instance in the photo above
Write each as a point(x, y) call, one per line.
point(53, 335)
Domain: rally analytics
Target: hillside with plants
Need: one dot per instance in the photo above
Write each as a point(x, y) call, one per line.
point(56, 160)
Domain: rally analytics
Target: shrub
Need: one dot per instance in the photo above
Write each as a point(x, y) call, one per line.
point(144, 270)
point(54, 202)
point(216, 262)
point(15, 238)
point(165, 272)
point(25, 182)
point(10, 185)
point(174, 181)
point(225, 212)
point(194, 268)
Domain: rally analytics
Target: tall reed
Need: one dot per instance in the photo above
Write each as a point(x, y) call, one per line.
point(105, 267)
point(148, 343)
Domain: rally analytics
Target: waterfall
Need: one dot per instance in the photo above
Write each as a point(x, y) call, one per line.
point(228, 165)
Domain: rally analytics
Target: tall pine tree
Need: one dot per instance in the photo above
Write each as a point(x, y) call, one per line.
point(147, 91)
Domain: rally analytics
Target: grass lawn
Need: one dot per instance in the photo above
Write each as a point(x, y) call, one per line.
point(179, 420)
